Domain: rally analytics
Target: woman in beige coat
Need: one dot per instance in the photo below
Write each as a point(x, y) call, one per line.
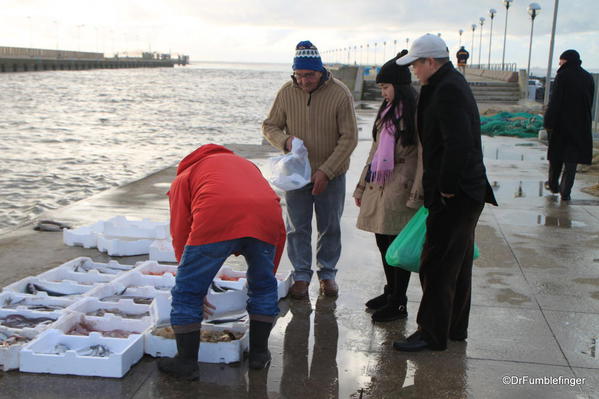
point(389, 190)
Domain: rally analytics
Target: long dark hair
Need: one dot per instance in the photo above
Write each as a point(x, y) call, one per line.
point(407, 96)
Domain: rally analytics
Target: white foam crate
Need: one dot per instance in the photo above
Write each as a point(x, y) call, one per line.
point(151, 266)
point(86, 266)
point(112, 288)
point(24, 301)
point(85, 236)
point(136, 278)
point(231, 301)
point(106, 323)
point(67, 288)
point(10, 355)
point(120, 226)
point(162, 251)
point(125, 353)
point(209, 352)
point(119, 246)
point(91, 304)
point(284, 280)
point(60, 274)
point(31, 314)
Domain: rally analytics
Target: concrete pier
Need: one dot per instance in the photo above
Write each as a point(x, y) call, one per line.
point(16, 59)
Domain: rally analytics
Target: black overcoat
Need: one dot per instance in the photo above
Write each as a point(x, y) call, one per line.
point(568, 116)
point(449, 129)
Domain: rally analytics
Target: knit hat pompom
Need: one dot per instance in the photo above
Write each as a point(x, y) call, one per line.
point(307, 57)
point(392, 73)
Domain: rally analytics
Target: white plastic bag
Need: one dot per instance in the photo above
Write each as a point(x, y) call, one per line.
point(292, 170)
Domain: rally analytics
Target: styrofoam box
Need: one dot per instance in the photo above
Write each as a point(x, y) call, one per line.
point(66, 287)
point(31, 314)
point(162, 251)
point(107, 271)
point(284, 280)
point(59, 274)
point(135, 278)
point(125, 353)
point(106, 323)
point(209, 352)
point(119, 246)
point(152, 266)
point(91, 304)
point(26, 300)
point(9, 356)
point(112, 288)
point(120, 226)
point(231, 301)
point(86, 236)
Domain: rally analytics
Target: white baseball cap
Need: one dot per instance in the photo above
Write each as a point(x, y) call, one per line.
point(427, 46)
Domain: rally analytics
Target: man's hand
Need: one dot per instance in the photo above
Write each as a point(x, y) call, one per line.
point(288, 143)
point(320, 180)
point(208, 307)
point(358, 202)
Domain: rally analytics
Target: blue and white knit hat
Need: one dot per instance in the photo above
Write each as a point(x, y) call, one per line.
point(307, 57)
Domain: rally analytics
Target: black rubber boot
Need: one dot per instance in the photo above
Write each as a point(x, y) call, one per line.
point(379, 301)
point(185, 363)
point(393, 310)
point(259, 353)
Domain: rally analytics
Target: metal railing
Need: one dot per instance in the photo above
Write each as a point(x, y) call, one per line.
point(21, 52)
point(509, 67)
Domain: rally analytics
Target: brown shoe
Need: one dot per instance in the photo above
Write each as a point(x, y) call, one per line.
point(299, 290)
point(329, 288)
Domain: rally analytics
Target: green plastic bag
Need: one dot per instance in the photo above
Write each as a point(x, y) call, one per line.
point(406, 249)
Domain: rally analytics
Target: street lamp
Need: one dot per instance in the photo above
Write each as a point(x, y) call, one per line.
point(384, 51)
point(472, 47)
point(375, 44)
point(480, 42)
point(507, 4)
point(533, 10)
point(461, 31)
point(361, 54)
point(492, 13)
point(394, 48)
point(407, 42)
point(367, 51)
point(552, 42)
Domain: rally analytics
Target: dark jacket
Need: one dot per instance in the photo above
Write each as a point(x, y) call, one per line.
point(568, 116)
point(462, 55)
point(449, 129)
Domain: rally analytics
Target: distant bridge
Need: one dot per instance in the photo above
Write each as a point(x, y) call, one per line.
point(18, 59)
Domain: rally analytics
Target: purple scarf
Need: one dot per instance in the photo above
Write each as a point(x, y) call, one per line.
point(383, 160)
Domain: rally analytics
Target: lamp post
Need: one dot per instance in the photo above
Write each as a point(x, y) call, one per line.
point(472, 46)
point(361, 54)
point(367, 50)
point(548, 77)
point(355, 54)
point(507, 4)
point(407, 42)
point(384, 51)
point(480, 42)
point(492, 13)
point(375, 44)
point(461, 31)
point(533, 10)
point(394, 48)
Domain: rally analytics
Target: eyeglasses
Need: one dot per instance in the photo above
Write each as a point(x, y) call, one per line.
point(306, 76)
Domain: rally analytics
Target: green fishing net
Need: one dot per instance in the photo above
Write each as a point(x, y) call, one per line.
point(519, 124)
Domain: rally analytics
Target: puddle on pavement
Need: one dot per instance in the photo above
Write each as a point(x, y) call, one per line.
point(512, 152)
point(591, 281)
point(535, 219)
point(518, 189)
point(509, 296)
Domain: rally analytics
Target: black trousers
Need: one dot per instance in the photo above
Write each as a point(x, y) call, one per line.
point(397, 278)
point(446, 270)
point(563, 185)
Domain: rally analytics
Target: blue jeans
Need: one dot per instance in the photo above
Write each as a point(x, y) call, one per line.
point(329, 208)
point(198, 267)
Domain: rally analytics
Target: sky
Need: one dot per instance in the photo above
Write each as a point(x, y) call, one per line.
point(268, 30)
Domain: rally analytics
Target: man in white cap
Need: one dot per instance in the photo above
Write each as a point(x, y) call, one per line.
point(455, 191)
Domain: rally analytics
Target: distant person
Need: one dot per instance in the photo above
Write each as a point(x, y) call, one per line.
point(318, 109)
point(462, 56)
point(568, 120)
point(221, 205)
point(455, 191)
point(389, 190)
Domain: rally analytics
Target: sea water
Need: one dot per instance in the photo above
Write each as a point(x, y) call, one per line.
point(66, 135)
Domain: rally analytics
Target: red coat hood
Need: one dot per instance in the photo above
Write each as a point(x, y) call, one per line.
point(201, 153)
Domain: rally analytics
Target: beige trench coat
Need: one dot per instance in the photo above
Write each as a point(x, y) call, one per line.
point(386, 209)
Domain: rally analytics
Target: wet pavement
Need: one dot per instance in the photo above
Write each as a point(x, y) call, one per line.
point(535, 305)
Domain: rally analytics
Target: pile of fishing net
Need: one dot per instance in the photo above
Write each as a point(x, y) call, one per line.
point(520, 124)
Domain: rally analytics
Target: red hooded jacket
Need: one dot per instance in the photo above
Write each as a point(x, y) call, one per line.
point(219, 196)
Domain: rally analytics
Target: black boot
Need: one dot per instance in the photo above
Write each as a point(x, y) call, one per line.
point(379, 301)
point(259, 353)
point(185, 363)
point(393, 310)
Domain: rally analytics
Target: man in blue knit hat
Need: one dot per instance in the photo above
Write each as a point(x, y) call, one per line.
point(318, 109)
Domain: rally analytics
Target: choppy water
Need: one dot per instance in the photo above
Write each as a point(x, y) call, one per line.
point(67, 135)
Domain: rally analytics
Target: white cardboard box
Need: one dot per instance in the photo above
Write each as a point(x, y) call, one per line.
point(125, 353)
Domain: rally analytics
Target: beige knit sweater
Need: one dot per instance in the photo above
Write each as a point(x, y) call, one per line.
point(324, 120)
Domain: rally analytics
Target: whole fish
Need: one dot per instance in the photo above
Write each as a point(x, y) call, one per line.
point(136, 299)
point(32, 288)
point(117, 312)
point(95, 351)
point(19, 321)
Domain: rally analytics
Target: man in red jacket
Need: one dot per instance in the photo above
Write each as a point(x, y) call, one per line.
point(221, 205)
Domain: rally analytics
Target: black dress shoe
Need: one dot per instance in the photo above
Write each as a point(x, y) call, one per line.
point(414, 343)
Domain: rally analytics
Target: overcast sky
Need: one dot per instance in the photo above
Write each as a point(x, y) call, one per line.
point(267, 30)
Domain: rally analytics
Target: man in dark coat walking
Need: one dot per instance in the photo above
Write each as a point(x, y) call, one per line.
point(568, 121)
point(455, 191)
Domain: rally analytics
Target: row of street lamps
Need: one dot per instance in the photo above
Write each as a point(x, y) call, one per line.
point(338, 55)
